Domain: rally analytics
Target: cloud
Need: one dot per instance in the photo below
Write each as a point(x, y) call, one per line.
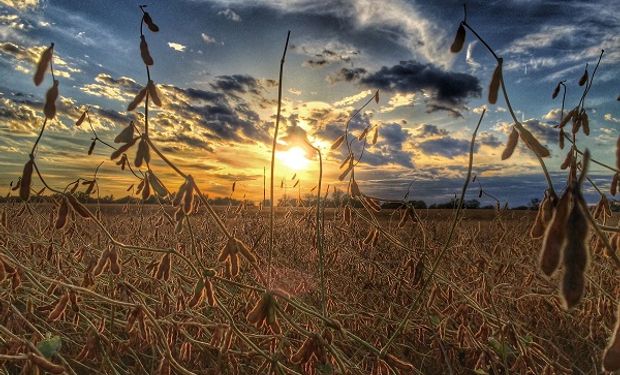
point(20, 4)
point(430, 130)
point(391, 147)
point(237, 83)
point(323, 53)
point(25, 58)
point(178, 46)
point(447, 147)
point(446, 90)
point(230, 15)
point(121, 89)
point(346, 75)
point(349, 100)
point(469, 56)
point(489, 139)
point(207, 38)
point(546, 36)
point(398, 100)
point(195, 118)
point(610, 118)
point(553, 116)
point(397, 21)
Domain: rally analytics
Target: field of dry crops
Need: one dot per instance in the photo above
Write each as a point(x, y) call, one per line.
point(487, 311)
point(183, 287)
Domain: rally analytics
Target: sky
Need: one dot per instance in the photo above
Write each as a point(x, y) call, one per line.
point(216, 66)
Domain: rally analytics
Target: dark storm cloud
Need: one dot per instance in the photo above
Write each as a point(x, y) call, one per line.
point(346, 75)
point(237, 83)
point(394, 135)
point(330, 55)
point(448, 90)
point(489, 139)
point(193, 116)
point(447, 147)
point(187, 140)
point(429, 130)
point(124, 83)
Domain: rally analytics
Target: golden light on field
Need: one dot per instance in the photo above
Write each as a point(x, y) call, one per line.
point(294, 158)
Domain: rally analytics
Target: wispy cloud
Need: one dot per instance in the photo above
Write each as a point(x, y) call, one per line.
point(178, 46)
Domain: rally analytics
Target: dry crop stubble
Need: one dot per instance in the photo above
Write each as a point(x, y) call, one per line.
point(181, 286)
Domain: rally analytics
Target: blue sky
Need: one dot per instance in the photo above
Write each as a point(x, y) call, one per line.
point(217, 63)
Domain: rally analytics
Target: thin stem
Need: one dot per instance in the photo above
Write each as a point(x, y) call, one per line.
point(273, 163)
point(36, 143)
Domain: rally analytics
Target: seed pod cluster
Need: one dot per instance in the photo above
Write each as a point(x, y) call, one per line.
point(143, 155)
point(543, 217)
point(575, 253)
point(569, 159)
point(602, 210)
point(144, 52)
point(126, 135)
point(531, 142)
point(264, 313)
point(230, 254)
point(611, 356)
point(162, 271)
point(156, 184)
point(511, 144)
point(62, 214)
point(495, 82)
point(109, 259)
point(555, 235)
point(80, 120)
point(584, 77)
point(347, 170)
point(580, 121)
point(203, 289)
point(312, 349)
point(59, 308)
point(406, 215)
point(459, 40)
point(49, 109)
point(146, 17)
point(26, 180)
point(556, 90)
point(153, 93)
point(92, 146)
point(137, 99)
point(44, 63)
point(121, 150)
point(569, 116)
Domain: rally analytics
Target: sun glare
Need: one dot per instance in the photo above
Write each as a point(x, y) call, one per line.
point(295, 158)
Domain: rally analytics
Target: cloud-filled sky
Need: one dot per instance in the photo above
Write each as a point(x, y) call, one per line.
point(216, 66)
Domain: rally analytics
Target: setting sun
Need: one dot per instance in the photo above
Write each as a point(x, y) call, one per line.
point(294, 158)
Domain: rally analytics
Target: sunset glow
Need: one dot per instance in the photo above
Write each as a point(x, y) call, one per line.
point(294, 158)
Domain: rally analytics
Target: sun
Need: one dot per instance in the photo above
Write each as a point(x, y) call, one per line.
point(294, 158)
